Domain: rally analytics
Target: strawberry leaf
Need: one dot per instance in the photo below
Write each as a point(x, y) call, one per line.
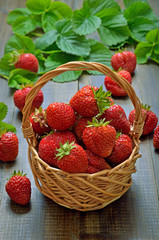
point(3, 110)
point(143, 52)
point(49, 20)
point(7, 127)
point(23, 25)
point(16, 13)
point(38, 6)
point(46, 40)
point(61, 10)
point(127, 3)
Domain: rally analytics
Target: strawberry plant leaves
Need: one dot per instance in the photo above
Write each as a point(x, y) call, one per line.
point(41, 61)
point(99, 53)
point(69, 42)
point(153, 36)
point(8, 127)
point(58, 58)
point(20, 42)
point(18, 12)
point(46, 40)
point(61, 10)
point(127, 3)
point(113, 29)
point(84, 22)
point(19, 77)
point(97, 6)
point(23, 25)
point(143, 52)
point(38, 6)
point(5, 66)
point(3, 110)
point(48, 21)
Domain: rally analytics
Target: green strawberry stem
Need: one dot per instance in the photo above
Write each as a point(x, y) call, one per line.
point(97, 123)
point(19, 173)
point(146, 107)
point(4, 76)
point(64, 149)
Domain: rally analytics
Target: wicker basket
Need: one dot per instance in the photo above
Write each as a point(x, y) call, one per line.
point(82, 191)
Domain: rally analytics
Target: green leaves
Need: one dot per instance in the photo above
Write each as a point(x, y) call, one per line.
point(38, 6)
point(24, 25)
point(5, 127)
point(149, 48)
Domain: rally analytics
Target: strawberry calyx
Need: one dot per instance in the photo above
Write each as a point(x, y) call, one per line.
point(18, 173)
point(146, 107)
point(14, 56)
point(97, 123)
point(118, 135)
point(102, 99)
point(40, 117)
point(64, 149)
point(26, 85)
point(2, 131)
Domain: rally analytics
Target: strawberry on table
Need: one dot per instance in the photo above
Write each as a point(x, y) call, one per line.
point(60, 116)
point(122, 149)
point(90, 101)
point(125, 60)
point(118, 119)
point(9, 146)
point(95, 163)
point(99, 137)
point(150, 119)
point(113, 87)
point(39, 121)
point(156, 138)
point(18, 188)
point(27, 61)
point(48, 146)
point(20, 96)
point(72, 158)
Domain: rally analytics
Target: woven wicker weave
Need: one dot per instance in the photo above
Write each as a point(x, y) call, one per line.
point(82, 191)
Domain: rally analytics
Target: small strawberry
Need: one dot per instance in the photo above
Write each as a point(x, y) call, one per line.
point(99, 137)
point(156, 138)
point(48, 145)
point(60, 116)
point(9, 146)
point(80, 125)
point(125, 60)
point(122, 149)
point(27, 61)
point(90, 101)
point(19, 188)
point(95, 163)
point(150, 119)
point(39, 121)
point(72, 158)
point(118, 119)
point(113, 87)
point(20, 96)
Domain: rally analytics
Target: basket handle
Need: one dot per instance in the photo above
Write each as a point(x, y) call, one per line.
point(136, 130)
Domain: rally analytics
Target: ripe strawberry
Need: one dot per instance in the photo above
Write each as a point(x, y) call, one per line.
point(72, 158)
point(28, 62)
point(80, 125)
point(150, 119)
point(125, 60)
point(60, 116)
point(48, 145)
point(118, 119)
point(95, 163)
point(9, 146)
point(122, 150)
point(113, 87)
point(19, 188)
point(90, 101)
point(20, 96)
point(39, 121)
point(99, 137)
point(156, 138)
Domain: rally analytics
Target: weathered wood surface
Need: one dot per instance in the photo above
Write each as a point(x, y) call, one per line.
point(134, 216)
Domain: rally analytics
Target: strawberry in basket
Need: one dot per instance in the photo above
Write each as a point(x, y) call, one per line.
point(99, 137)
point(80, 125)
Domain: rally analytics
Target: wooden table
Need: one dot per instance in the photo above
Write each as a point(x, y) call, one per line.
point(134, 216)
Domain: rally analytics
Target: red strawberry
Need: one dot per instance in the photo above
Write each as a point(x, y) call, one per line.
point(125, 60)
point(28, 62)
point(150, 119)
point(95, 163)
point(99, 137)
point(20, 96)
point(122, 150)
point(156, 138)
point(60, 116)
point(113, 87)
point(80, 125)
point(9, 146)
point(90, 101)
point(72, 158)
point(19, 188)
point(39, 121)
point(118, 119)
point(48, 145)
